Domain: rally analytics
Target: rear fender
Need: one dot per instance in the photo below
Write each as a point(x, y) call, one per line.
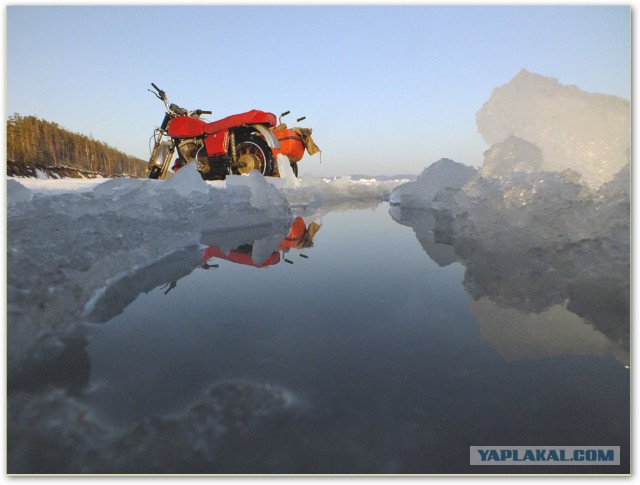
point(268, 135)
point(218, 143)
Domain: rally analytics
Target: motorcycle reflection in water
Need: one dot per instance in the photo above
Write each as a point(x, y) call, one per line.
point(257, 247)
point(299, 237)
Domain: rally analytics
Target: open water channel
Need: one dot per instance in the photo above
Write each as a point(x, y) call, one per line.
point(362, 352)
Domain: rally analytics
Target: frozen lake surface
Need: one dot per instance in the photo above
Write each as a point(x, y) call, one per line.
point(181, 326)
point(363, 353)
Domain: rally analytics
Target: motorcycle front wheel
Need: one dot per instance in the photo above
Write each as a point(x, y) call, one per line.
point(155, 172)
point(253, 153)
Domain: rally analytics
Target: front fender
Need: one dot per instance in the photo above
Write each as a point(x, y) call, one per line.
point(268, 135)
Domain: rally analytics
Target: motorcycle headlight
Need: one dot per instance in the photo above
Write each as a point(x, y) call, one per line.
point(161, 153)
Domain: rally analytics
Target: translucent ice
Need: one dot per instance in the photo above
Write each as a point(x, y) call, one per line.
point(264, 196)
point(511, 155)
point(557, 172)
point(187, 180)
point(545, 223)
point(442, 174)
point(287, 177)
point(316, 192)
point(533, 240)
point(585, 132)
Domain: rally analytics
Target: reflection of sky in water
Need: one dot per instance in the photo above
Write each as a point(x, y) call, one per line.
point(391, 368)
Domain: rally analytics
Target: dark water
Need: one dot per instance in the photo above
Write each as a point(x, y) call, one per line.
point(387, 363)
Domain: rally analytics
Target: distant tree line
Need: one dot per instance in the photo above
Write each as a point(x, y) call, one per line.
point(32, 141)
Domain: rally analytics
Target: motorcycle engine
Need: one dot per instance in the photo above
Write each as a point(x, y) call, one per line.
point(191, 148)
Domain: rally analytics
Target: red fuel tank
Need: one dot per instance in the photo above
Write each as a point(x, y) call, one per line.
point(186, 127)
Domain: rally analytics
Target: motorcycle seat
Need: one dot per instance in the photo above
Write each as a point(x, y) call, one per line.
point(252, 117)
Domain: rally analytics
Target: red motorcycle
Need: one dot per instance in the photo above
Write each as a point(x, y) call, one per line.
point(235, 145)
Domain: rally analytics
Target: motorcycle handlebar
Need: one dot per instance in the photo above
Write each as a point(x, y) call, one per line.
point(174, 108)
point(161, 94)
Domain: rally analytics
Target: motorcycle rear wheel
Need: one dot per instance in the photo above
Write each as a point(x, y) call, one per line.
point(253, 153)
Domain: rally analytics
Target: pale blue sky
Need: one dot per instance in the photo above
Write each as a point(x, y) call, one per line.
point(386, 89)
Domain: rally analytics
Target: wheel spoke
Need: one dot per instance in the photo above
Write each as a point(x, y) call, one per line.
point(250, 157)
point(252, 153)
